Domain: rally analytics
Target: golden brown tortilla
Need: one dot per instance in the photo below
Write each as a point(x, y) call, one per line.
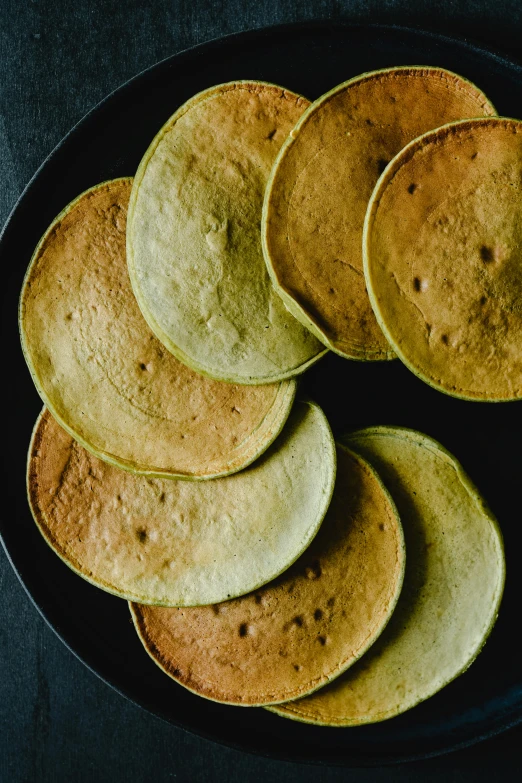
point(443, 258)
point(107, 379)
point(320, 185)
point(179, 543)
point(297, 633)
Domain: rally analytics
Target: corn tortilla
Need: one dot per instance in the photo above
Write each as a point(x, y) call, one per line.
point(305, 628)
point(193, 238)
point(452, 588)
point(445, 280)
point(320, 185)
point(108, 380)
point(179, 543)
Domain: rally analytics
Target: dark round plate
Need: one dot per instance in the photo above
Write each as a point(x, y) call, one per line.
point(486, 438)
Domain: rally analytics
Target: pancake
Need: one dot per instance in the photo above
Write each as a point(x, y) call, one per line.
point(106, 378)
point(452, 587)
point(443, 258)
point(320, 185)
point(297, 633)
point(193, 239)
point(176, 542)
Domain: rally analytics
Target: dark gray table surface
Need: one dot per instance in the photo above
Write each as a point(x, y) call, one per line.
point(58, 722)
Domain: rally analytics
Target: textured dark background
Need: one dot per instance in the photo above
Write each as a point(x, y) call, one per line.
point(58, 722)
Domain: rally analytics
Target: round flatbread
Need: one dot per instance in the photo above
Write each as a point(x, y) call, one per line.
point(443, 258)
point(108, 380)
point(308, 626)
point(320, 185)
point(179, 543)
point(194, 247)
point(452, 587)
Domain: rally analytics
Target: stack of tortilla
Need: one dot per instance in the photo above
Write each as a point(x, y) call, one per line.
point(165, 319)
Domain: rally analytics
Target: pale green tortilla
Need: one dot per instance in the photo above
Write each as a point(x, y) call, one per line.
point(181, 543)
point(453, 585)
point(193, 237)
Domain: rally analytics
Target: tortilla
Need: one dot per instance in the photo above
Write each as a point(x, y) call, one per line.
point(443, 258)
point(320, 185)
point(193, 238)
point(106, 378)
point(304, 629)
point(452, 589)
point(179, 543)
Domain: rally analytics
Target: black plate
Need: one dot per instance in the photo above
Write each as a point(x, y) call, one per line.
point(109, 142)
